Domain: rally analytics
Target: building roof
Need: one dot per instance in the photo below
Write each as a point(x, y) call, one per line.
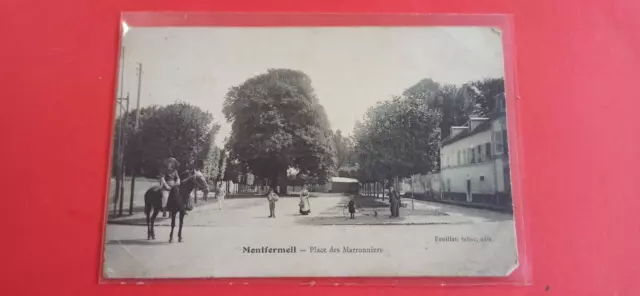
point(343, 180)
point(493, 115)
point(467, 133)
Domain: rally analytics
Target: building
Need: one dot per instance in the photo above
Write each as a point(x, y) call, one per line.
point(474, 161)
point(338, 185)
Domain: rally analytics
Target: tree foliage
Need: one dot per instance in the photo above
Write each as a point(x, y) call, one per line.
point(179, 130)
point(398, 138)
point(132, 146)
point(483, 93)
point(401, 137)
point(278, 123)
point(345, 154)
point(222, 164)
point(212, 156)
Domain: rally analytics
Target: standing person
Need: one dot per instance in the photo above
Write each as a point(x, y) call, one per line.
point(305, 206)
point(169, 181)
point(220, 194)
point(272, 197)
point(394, 202)
point(352, 206)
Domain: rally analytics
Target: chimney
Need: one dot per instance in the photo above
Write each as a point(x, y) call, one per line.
point(476, 121)
point(455, 130)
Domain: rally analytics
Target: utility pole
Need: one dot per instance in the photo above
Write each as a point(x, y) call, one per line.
point(119, 137)
point(119, 149)
point(136, 139)
point(122, 166)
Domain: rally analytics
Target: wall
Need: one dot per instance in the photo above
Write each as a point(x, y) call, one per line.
point(425, 183)
point(457, 178)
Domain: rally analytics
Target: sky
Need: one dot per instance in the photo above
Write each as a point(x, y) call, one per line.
point(351, 68)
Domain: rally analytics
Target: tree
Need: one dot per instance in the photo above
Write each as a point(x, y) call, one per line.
point(278, 123)
point(133, 146)
point(350, 171)
point(475, 98)
point(454, 104)
point(482, 93)
point(398, 138)
point(222, 164)
point(179, 130)
point(212, 156)
point(344, 150)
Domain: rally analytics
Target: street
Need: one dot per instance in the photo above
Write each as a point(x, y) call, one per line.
point(430, 240)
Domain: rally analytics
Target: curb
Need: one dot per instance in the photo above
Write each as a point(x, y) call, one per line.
point(310, 224)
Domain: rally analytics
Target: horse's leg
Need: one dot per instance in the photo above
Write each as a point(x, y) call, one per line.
point(156, 211)
point(147, 210)
point(148, 226)
point(180, 226)
point(173, 224)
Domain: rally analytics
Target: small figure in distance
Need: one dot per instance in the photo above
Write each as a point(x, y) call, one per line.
point(272, 197)
point(305, 206)
point(352, 206)
point(220, 194)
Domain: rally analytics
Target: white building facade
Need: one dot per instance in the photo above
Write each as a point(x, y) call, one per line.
point(474, 162)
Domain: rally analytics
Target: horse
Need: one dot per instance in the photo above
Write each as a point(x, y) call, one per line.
point(178, 199)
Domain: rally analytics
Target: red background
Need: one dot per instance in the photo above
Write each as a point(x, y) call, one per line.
point(577, 71)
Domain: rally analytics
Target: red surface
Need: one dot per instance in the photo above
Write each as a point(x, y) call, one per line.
point(577, 80)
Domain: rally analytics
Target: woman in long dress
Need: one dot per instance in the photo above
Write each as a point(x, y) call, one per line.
point(305, 206)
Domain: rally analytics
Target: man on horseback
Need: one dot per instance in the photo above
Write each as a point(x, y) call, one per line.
point(169, 181)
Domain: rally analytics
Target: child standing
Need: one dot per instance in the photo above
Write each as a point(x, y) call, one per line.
point(352, 207)
point(272, 198)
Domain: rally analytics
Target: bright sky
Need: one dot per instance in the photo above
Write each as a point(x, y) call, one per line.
point(351, 68)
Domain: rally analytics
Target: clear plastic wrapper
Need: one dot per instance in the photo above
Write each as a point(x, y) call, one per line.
point(337, 149)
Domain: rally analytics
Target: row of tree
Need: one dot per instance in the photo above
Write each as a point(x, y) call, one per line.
point(401, 137)
point(178, 130)
point(278, 126)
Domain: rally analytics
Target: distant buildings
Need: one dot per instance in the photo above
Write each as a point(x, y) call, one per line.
point(337, 185)
point(474, 165)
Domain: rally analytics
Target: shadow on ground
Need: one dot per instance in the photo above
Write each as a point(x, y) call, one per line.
point(137, 242)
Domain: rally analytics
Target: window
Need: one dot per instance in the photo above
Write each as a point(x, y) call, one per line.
point(488, 150)
point(505, 144)
point(473, 155)
point(498, 143)
point(469, 156)
point(459, 162)
point(464, 157)
point(481, 178)
point(478, 154)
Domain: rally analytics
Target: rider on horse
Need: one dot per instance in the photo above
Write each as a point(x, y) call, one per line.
point(169, 180)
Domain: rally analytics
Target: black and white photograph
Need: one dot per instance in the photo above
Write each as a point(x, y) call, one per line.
point(262, 152)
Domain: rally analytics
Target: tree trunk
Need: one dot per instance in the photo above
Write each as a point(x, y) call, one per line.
point(273, 183)
point(133, 189)
point(283, 182)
